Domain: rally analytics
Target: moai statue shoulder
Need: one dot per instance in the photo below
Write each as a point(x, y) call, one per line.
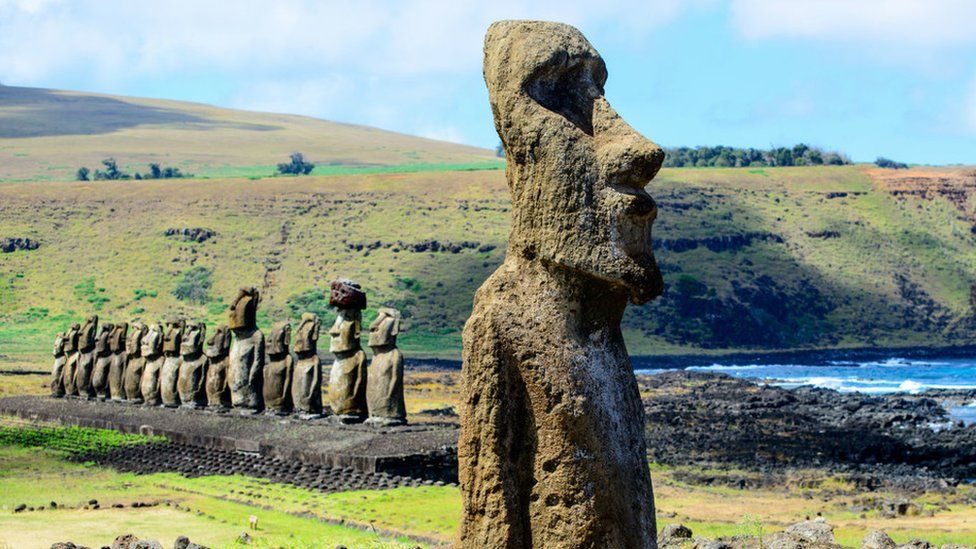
point(152, 352)
point(306, 387)
point(218, 360)
point(384, 390)
point(169, 375)
point(116, 372)
point(278, 371)
point(193, 366)
point(103, 361)
point(135, 363)
point(347, 380)
point(57, 371)
point(246, 368)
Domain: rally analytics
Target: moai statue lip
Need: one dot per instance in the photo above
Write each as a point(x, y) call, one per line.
point(278, 371)
point(552, 450)
point(384, 388)
point(217, 351)
point(306, 385)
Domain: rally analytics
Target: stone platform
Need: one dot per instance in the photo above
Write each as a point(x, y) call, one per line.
point(425, 451)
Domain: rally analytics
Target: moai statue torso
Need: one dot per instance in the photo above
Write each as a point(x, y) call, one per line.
point(86, 358)
point(306, 385)
point(71, 360)
point(152, 353)
point(169, 375)
point(135, 363)
point(384, 391)
point(246, 372)
point(116, 371)
point(552, 450)
point(57, 372)
point(218, 359)
point(193, 366)
point(347, 380)
point(103, 360)
point(278, 370)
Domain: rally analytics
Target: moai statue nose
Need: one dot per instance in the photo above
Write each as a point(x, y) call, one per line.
point(625, 157)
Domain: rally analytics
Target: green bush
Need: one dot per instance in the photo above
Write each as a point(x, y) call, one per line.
point(195, 285)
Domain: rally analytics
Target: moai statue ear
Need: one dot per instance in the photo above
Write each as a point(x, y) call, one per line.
point(203, 333)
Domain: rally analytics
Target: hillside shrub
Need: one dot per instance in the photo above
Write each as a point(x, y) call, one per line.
point(111, 171)
point(883, 162)
point(195, 285)
point(297, 166)
point(82, 174)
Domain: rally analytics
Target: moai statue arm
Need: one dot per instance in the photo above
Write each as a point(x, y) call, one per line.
point(257, 371)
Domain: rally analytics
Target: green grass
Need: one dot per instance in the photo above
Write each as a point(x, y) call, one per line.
point(71, 441)
point(260, 172)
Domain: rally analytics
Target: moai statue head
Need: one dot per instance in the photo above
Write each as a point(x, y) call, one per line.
point(192, 338)
point(59, 344)
point(172, 336)
point(218, 345)
point(103, 341)
point(350, 300)
point(244, 309)
point(384, 330)
point(71, 338)
point(133, 340)
point(576, 171)
point(86, 337)
point(152, 341)
point(280, 339)
point(117, 342)
point(307, 335)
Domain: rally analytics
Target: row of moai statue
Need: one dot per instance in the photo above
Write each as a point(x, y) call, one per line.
point(175, 365)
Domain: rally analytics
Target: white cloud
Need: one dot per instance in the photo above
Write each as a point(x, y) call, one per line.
point(901, 24)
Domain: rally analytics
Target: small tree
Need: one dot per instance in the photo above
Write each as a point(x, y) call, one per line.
point(195, 285)
point(82, 174)
point(154, 171)
point(883, 162)
point(112, 171)
point(297, 166)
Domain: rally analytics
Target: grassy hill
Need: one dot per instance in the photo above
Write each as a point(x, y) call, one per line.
point(46, 135)
point(775, 258)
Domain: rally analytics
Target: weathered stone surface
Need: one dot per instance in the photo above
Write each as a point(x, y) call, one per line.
point(384, 389)
point(552, 450)
point(347, 380)
point(116, 371)
point(103, 360)
point(306, 385)
point(125, 541)
point(278, 371)
point(816, 532)
point(877, 539)
point(71, 359)
point(193, 366)
point(57, 371)
point(246, 366)
point(674, 534)
point(169, 375)
point(152, 352)
point(86, 358)
point(135, 363)
point(218, 358)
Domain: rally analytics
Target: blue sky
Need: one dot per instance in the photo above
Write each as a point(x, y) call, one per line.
point(894, 78)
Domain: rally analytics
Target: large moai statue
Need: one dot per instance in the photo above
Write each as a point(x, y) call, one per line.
point(193, 366)
point(135, 363)
point(116, 372)
point(152, 353)
point(103, 361)
point(384, 390)
point(552, 450)
point(278, 371)
point(169, 375)
point(246, 372)
point(57, 371)
point(86, 358)
point(218, 361)
point(71, 360)
point(306, 385)
point(347, 380)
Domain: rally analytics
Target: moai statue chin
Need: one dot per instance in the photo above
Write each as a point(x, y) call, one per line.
point(278, 371)
point(218, 359)
point(57, 372)
point(135, 363)
point(71, 360)
point(103, 361)
point(384, 390)
point(152, 353)
point(552, 450)
point(169, 375)
point(116, 372)
point(86, 358)
point(193, 366)
point(306, 385)
point(246, 372)
point(347, 380)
